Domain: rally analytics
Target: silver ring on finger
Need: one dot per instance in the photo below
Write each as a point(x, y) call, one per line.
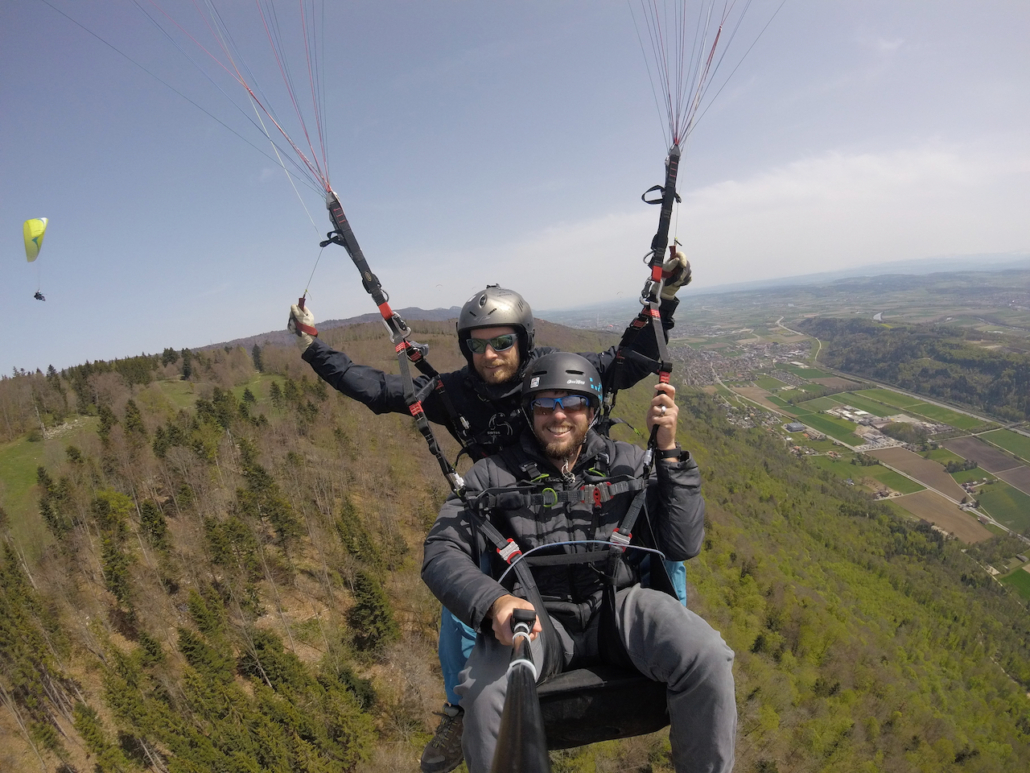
point(661, 411)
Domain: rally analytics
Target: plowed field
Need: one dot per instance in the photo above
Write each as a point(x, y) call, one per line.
point(988, 457)
point(939, 511)
point(1017, 478)
point(929, 473)
point(759, 396)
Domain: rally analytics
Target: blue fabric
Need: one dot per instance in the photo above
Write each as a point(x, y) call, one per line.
point(678, 574)
point(454, 647)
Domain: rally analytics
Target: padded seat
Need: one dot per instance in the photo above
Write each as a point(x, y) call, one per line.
point(601, 703)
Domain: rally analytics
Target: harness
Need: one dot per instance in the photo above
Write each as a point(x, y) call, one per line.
point(536, 495)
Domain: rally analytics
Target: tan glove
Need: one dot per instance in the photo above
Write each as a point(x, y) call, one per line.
point(676, 273)
point(302, 324)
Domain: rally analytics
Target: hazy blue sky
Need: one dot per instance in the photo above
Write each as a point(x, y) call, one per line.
point(489, 142)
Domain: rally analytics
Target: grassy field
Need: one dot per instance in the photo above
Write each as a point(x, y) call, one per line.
point(1010, 441)
point(178, 393)
point(947, 416)
point(891, 479)
point(18, 462)
point(943, 456)
point(793, 410)
point(821, 446)
point(888, 397)
point(1006, 505)
point(863, 404)
point(820, 404)
point(965, 476)
point(768, 382)
point(806, 372)
point(841, 429)
point(1019, 581)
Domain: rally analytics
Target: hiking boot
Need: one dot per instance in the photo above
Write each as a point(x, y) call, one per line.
point(443, 753)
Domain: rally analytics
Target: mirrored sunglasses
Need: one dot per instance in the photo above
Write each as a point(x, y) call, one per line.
point(568, 404)
point(501, 343)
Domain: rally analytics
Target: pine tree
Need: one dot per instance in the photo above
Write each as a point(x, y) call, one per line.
point(371, 617)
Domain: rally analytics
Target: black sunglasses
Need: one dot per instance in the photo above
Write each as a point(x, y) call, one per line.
point(501, 343)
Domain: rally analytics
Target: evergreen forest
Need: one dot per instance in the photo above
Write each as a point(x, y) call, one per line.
point(209, 561)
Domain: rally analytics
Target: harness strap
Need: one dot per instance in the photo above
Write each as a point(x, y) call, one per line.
point(407, 351)
point(596, 493)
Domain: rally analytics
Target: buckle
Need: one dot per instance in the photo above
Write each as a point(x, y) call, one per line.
point(510, 551)
point(620, 541)
point(549, 501)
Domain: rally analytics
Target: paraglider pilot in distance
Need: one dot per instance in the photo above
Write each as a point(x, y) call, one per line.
point(659, 636)
point(496, 336)
point(38, 296)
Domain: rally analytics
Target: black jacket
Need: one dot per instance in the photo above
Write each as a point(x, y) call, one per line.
point(493, 412)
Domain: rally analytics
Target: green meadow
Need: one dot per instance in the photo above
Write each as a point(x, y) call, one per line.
point(888, 397)
point(1006, 505)
point(855, 400)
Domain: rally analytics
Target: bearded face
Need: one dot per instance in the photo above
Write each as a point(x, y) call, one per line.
point(561, 432)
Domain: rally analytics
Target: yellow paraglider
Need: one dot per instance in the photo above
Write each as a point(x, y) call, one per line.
point(34, 230)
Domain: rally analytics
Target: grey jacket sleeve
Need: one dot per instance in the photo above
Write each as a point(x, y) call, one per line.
point(677, 508)
point(450, 564)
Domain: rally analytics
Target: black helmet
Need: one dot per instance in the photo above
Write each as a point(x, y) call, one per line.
point(562, 371)
point(496, 307)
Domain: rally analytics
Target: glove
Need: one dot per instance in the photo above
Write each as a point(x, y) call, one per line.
point(676, 272)
point(302, 324)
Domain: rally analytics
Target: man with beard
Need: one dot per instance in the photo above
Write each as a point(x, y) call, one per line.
point(496, 336)
point(558, 457)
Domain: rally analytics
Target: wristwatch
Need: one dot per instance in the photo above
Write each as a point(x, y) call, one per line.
point(673, 453)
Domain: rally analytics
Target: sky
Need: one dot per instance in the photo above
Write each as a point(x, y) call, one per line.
point(474, 143)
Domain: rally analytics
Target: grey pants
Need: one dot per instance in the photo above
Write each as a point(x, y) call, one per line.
point(666, 642)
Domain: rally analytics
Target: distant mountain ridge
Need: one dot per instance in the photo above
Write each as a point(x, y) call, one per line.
point(284, 337)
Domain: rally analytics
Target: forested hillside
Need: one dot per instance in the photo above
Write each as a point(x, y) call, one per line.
point(955, 364)
point(210, 562)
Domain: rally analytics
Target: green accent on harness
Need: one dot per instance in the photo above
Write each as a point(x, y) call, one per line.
point(553, 493)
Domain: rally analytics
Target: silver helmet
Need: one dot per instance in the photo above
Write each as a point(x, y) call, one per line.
point(496, 307)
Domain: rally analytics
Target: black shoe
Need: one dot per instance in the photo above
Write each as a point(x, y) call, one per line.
point(443, 752)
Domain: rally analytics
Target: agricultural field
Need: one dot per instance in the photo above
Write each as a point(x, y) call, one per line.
point(1018, 478)
point(1011, 441)
point(1019, 581)
point(895, 481)
point(819, 446)
point(931, 474)
point(969, 476)
point(768, 382)
point(1006, 505)
point(943, 456)
point(838, 467)
point(841, 429)
point(888, 397)
point(820, 404)
point(947, 416)
point(934, 508)
point(809, 373)
point(836, 382)
point(855, 400)
point(757, 395)
point(986, 455)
